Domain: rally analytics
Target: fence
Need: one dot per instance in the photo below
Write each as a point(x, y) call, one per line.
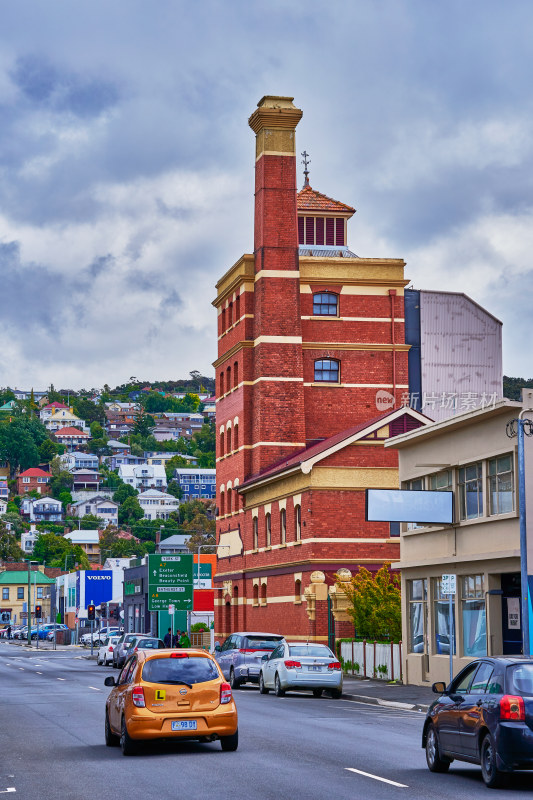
point(372, 659)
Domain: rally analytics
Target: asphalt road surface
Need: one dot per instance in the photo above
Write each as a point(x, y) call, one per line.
point(52, 746)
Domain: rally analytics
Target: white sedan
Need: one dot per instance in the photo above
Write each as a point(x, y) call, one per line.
point(105, 653)
point(293, 665)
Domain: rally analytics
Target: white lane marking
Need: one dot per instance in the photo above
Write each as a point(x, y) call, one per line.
point(22, 668)
point(95, 689)
point(376, 777)
point(9, 789)
point(61, 679)
point(38, 673)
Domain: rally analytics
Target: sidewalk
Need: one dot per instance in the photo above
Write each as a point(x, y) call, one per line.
point(395, 695)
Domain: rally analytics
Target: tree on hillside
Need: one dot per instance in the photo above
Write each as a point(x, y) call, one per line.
point(17, 447)
point(15, 521)
point(375, 604)
point(88, 411)
point(123, 492)
point(512, 387)
point(130, 511)
point(118, 547)
point(9, 546)
point(144, 425)
point(172, 463)
point(55, 551)
point(47, 450)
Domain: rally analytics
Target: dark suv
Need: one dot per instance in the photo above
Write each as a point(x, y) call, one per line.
point(241, 654)
point(485, 716)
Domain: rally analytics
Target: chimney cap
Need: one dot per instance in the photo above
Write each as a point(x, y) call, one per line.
point(275, 101)
point(275, 112)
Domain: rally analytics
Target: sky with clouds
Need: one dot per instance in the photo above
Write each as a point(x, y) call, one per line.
point(126, 164)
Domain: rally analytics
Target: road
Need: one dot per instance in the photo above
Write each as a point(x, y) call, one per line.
point(52, 746)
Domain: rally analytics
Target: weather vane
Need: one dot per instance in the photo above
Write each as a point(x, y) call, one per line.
point(306, 161)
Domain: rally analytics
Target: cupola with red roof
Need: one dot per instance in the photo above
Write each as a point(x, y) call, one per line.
point(322, 221)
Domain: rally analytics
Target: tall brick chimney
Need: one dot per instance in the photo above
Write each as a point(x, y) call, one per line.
point(278, 397)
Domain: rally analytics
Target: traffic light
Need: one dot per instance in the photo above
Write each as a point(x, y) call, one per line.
point(116, 613)
point(91, 611)
point(38, 612)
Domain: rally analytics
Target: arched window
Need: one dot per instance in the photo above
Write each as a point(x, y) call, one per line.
point(228, 379)
point(228, 440)
point(256, 595)
point(236, 374)
point(263, 594)
point(298, 591)
point(268, 530)
point(298, 521)
point(235, 437)
point(230, 497)
point(223, 320)
point(237, 308)
point(221, 509)
point(326, 304)
point(283, 526)
point(255, 527)
point(221, 444)
point(221, 383)
point(327, 370)
point(230, 315)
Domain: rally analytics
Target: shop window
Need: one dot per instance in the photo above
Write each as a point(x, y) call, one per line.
point(470, 491)
point(417, 615)
point(327, 370)
point(298, 520)
point(501, 484)
point(326, 304)
point(283, 526)
point(444, 626)
point(473, 616)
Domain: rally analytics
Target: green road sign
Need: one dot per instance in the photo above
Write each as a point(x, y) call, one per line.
point(170, 580)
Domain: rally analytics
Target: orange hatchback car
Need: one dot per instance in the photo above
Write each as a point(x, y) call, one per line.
point(170, 694)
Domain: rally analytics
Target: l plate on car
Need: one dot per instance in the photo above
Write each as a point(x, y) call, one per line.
point(184, 725)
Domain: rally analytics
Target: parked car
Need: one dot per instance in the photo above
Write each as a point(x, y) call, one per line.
point(47, 628)
point(170, 694)
point(105, 653)
point(301, 666)
point(99, 635)
point(240, 655)
point(143, 642)
point(119, 653)
point(58, 627)
point(485, 716)
point(21, 633)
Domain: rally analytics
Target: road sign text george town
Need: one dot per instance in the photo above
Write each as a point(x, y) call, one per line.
point(170, 581)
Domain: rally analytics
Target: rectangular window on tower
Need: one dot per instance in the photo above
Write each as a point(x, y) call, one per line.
point(301, 228)
point(319, 230)
point(339, 225)
point(309, 230)
point(330, 231)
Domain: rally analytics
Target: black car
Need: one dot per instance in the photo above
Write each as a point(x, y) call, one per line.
point(485, 716)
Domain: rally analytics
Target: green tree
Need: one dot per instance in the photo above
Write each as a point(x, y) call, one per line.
point(66, 498)
point(99, 447)
point(47, 450)
point(175, 490)
point(61, 482)
point(172, 464)
point(88, 411)
point(130, 511)
point(375, 604)
point(90, 522)
point(147, 529)
point(118, 547)
point(14, 520)
point(56, 550)
point(123, 492)
point(9, 546)
point(17, 447)
point(97, 432)
point(144, 425)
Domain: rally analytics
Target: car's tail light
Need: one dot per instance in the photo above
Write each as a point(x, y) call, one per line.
point(179, 655)
point(110, 648)
point(225, 693)
point(292, 664)
point(249, 650)
point(334, 665)
point(137, 697)
point(512, 708)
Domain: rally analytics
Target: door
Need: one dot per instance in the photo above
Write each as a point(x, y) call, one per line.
point(225, 656)
point(449, 712)
point(472, 709)
point(511, 614)
point(118, 694)
point(269, 667)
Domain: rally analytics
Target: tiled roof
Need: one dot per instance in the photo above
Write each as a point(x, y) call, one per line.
point(35, 472)
point(55, 404)
point(311, 200)
point(320, 447)
point(70, 432)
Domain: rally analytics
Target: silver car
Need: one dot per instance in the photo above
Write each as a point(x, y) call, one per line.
point(293, 665)
point(119, 653)
point(241, 654)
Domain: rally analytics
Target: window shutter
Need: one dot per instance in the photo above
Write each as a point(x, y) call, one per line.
point(309, 230)
point(339, 224)
point(319, 237)
point(330, 231)
point(300, 230)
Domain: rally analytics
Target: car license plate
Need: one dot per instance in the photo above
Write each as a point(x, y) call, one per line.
point(315, 669)
point(184, 725)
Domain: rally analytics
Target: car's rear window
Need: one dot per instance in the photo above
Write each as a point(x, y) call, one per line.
point(179, 670)
point(262, 643)
point(150, 644)
point(521, 679)
point(316, 650)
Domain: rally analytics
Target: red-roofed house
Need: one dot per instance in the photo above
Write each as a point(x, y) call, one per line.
point(71, 437)
point(47, 411)
point(33, 479)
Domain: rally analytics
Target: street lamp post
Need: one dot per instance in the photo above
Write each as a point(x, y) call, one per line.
point(522, 427)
